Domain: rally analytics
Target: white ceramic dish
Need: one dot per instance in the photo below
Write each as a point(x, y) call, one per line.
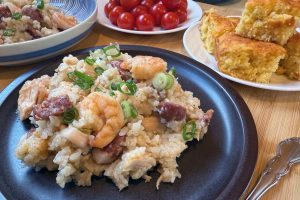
point(195, 49)
point(31, 51)
point(194, 15)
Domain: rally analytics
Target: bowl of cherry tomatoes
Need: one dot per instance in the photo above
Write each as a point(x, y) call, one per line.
point(148, 16)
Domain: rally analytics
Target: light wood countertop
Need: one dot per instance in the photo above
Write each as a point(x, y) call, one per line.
point(276, 114)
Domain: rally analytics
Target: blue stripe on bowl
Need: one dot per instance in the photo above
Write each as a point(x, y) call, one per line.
point(45, 51)
point(81, 9)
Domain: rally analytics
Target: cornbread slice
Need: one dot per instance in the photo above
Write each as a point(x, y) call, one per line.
point(269, 20)
point(213, 26)
point(248, 59)
point(290, 65)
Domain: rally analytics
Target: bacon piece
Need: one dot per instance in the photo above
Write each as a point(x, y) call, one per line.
point(4, 12)
point(109, 153)
point(125, 74)
point(207, 116)
point(33, 13)
point(54, 106)
point(170, 111)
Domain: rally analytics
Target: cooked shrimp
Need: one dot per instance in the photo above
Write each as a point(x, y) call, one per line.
point(110, 118)
point(63, 21)
point(32, 93)
point(144, 67)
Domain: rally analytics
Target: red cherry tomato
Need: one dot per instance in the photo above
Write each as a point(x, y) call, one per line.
point(183, 5)
point(129, 4)
point(169, 20)
point(137, 11)
point(108, 7)
point(115, 1)
point(156, 1)
point(171, 4)
point(147, 3)
point(126, 21)
point(182, 14)
point(157, 11)
point(145, 22)
point(114, 14)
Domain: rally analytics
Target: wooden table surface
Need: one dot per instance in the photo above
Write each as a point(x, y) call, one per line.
point(276, 114)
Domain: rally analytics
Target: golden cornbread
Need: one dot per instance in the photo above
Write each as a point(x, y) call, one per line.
point(269, 20)
point(290, 65)
point(247, 59)
point(213, 26)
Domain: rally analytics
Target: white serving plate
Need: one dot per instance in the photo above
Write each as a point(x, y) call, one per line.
point(195, 49)
point(31, 51)
point(194, 15)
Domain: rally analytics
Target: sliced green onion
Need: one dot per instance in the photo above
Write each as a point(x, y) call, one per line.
point(111, 93)
point(129, 110)
point(84, 81)
point(86, 131)
point(113, 86)
point(128, 87)
point(163, 81)
point(89, 60)
point(40, 4)
point(173, 71)
point(70, 115)
point(189, 130)
point(17, 16)
point(112, 51)
point(9, 32)
point(99, 70)
point(98, 89)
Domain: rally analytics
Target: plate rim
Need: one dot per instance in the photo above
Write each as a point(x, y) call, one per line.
point(113, 27)
point(236, 80)
point(245, 169)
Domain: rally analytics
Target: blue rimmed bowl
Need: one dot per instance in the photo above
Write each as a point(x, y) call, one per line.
point(85, 11)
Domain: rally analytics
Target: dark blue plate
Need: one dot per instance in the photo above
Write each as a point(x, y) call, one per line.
point(219, 167)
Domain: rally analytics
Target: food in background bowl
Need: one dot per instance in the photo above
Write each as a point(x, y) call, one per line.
point(27, 20)
point(109, 113)
point(144, 15)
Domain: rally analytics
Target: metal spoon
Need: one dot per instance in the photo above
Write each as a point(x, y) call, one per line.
point(287, 154)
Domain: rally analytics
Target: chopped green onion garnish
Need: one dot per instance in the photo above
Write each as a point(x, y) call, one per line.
point(17, 16)
point(113, 86)
point(163, 81)
point(9, 32)
point(86, 131)
point(90, 60)
point(84, 81)
point(111, 93)
point(99, 70)
point(112, 51)
point(189, 130)
point(40, 4)
point(173, 71)
point(98, 89)
point(129, 110)
point(70, 115)
point(128, 87)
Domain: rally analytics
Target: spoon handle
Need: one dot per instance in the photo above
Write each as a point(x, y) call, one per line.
point(288, 153)
point(267, 180)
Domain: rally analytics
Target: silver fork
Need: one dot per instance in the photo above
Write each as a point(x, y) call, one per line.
point(287, 154)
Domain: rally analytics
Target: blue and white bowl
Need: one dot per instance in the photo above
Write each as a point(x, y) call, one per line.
point(31, 51)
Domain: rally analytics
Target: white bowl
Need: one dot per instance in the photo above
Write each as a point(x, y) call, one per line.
point(31, 51)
